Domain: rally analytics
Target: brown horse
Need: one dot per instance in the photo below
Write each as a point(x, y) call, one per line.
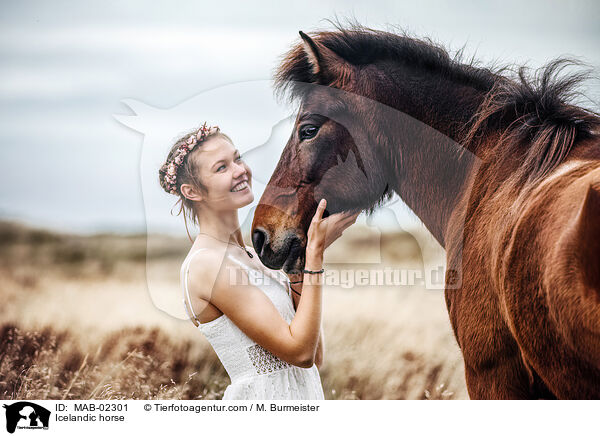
point(503, 169)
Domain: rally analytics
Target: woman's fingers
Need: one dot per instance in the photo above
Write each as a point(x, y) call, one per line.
point(343, 217)
point(352, 216)
point(336, 224)
point(321, 226)
point(318, 226)
point(320, 209)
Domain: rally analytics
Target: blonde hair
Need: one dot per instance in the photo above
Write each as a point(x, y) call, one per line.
point(186, 173)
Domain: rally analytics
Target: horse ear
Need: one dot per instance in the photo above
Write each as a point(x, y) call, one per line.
point(587, 231)
point(325, 64)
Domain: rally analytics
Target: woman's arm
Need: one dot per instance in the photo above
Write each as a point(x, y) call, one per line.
point(215, 279)
point(339, 223)
point(253, 312)
point(296, 288)
point(320, 351)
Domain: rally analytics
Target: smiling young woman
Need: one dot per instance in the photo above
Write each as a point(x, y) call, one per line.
point(267, 336)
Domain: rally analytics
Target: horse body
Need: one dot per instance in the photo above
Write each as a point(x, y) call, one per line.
point(516, 209)
point(525, 336)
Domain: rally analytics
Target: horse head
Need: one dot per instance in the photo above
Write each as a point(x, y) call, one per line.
point(332, 153)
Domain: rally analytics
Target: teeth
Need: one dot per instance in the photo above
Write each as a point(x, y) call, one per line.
point(240, 186)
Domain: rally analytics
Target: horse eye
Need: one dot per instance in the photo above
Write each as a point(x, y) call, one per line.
point(309, 131)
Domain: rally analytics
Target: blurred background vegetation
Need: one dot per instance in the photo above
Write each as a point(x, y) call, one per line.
point(78, 322)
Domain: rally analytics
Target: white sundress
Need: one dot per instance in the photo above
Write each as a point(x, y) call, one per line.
point(256, 373)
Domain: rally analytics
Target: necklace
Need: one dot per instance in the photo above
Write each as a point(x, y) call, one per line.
point(231, 243)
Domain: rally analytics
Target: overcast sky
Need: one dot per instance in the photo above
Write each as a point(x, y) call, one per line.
point(65, 67)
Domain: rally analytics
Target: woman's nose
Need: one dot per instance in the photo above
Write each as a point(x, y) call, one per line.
point(240, 169)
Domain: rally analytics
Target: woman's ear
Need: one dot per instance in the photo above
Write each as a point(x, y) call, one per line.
point(191, 192)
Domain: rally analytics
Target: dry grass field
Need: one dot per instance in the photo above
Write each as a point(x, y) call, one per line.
point(78, 322)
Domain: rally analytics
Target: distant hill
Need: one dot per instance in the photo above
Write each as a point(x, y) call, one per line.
point(20, 244)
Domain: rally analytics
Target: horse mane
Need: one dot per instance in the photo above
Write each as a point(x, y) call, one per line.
point(360, 45)
point(535, 109)
point(536, 113)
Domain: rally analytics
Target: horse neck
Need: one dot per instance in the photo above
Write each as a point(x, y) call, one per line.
point(427, 166)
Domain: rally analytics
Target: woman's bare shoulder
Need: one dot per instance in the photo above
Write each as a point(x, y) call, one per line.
point(204, 269)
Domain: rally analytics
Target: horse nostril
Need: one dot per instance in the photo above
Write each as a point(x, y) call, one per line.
point(258, 239)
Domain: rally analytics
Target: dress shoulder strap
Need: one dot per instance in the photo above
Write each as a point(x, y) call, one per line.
point(187, 301)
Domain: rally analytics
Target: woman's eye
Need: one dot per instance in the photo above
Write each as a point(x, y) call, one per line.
point(309, 131)
point(239, 158)
point(222, 166)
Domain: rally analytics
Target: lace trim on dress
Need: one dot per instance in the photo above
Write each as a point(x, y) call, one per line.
point(264, 361)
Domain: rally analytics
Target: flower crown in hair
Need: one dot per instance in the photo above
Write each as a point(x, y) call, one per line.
point(180, 154)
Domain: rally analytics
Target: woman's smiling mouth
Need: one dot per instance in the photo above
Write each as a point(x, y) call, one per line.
point(242, 186)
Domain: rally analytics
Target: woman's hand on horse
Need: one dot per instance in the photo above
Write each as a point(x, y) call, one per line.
point(337, 223)
point(324, 231)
